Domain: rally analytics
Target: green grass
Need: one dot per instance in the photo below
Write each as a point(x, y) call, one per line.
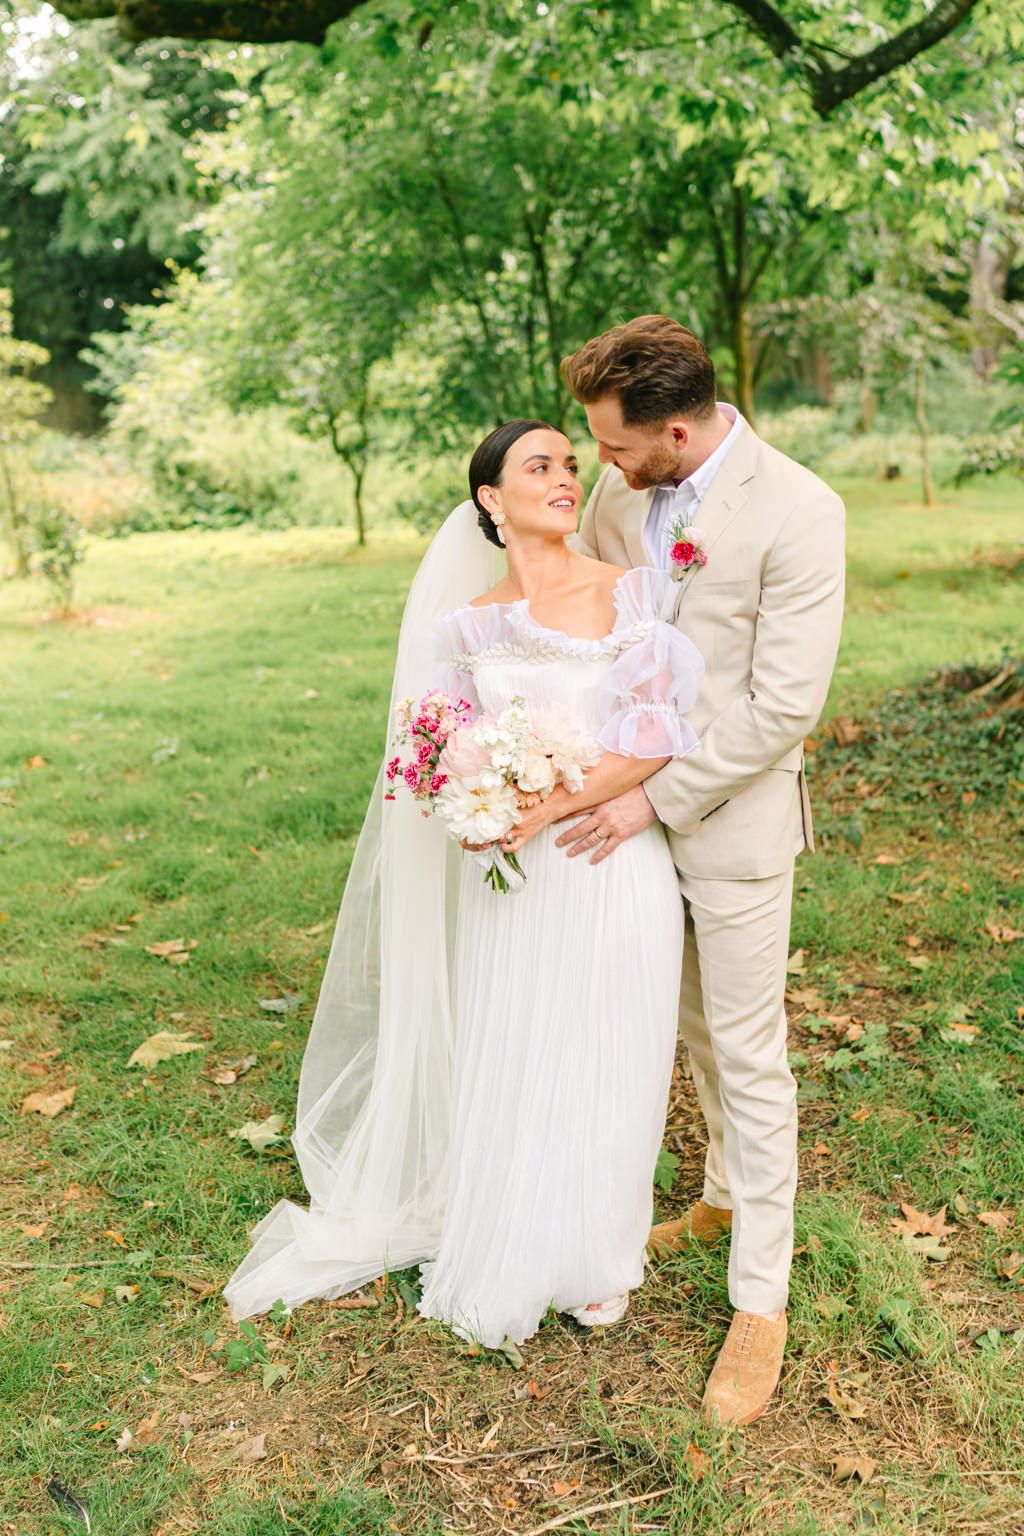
point(188, 759)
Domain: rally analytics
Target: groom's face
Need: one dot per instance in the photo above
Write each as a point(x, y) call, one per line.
point(645, 458)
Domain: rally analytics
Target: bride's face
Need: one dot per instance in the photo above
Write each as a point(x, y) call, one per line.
point(540, 491)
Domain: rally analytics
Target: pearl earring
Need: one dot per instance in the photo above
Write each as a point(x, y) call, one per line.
point(498, 518)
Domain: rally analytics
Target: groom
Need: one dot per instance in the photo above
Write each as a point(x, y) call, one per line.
point(765, 610)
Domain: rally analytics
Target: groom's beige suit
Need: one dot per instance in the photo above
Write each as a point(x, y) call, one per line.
point(765, 611)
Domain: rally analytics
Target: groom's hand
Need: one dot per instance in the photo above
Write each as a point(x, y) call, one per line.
point(602, 829)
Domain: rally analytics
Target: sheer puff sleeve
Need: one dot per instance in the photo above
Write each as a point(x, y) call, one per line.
point(656, 676)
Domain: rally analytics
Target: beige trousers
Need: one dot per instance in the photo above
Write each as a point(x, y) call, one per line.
point(732, 1019)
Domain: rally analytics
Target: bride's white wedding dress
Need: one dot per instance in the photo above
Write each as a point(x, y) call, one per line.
point(485, 1084)
point(566, 993)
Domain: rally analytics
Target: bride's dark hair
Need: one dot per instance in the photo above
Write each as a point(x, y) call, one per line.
point(488, 461)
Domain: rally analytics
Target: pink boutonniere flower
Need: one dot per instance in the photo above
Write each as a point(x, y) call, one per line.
point(686, 549)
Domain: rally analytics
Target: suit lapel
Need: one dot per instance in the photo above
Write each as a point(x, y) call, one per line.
point(634, 523)
point(726, 496)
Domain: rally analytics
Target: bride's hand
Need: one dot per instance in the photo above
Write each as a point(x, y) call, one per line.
point(533, 819)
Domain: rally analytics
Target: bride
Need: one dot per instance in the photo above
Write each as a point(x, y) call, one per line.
point(484, 1088)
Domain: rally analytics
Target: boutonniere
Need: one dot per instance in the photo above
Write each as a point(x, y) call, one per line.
point(686, 548)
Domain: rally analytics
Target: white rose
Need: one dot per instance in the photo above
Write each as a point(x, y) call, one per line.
point(535, 773)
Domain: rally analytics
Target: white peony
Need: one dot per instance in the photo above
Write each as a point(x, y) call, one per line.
point(481, 815)
point(535, 773)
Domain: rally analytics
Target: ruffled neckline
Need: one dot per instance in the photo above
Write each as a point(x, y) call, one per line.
point(639, 594)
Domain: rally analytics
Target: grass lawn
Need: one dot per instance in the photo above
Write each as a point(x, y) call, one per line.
point(182, 772)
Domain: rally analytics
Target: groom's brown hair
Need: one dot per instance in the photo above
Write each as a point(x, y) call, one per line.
point(655, 366)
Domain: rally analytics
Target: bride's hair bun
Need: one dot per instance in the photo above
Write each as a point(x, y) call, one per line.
point(487, 463)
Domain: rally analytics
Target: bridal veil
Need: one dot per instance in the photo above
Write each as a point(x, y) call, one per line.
point(372, 1123)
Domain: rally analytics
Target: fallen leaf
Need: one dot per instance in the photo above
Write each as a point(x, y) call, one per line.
point(990, 1218)
point(162, 1047)
point(821, 1150)
point(95, 1299)
point(147, 1432)
point(35, 761)
point(919, 962)
point(844, 1392)
point(512, 1354)
point(252, 1450)
point(536, 1392)
point(956, 1032)
point(115, 1237)
point(561, 1489)
point(124, 1440)
point(807, 997)
point(845, 1467)
point(845, 730)
point(231, 1071)
point(48, 1104)
point(286, 1004)
point(888, 858)
point(1010, 1265)
point(920, 1224)
point(1002, 934)
point(176, 951)
point(35, 1231)
point(861, 1113)
point(125, 1292)
point(927, 1247)
point(831, 1307)
point(796, 965)
point(94, 1429)
point(694, 1461)
point(201, 1378)
point(262, 1134)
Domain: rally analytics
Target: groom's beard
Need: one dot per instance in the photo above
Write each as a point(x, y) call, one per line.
point(660, 467)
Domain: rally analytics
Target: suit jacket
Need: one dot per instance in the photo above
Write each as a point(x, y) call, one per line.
point(766, 613)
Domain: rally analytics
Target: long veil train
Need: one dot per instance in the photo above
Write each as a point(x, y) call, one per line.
point(372, 1123)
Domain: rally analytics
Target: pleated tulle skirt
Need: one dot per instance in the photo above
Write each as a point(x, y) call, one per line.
point(566, 999)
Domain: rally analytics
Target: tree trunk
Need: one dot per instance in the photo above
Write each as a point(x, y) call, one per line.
point(922, 426)
point(990, 268)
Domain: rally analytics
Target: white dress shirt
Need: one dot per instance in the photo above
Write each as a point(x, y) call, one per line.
point(670, 502)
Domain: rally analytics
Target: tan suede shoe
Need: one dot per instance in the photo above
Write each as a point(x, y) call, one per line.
point(702, 1223)
point(747, 1370)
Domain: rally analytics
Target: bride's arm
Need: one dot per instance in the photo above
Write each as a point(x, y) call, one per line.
point(613, 775)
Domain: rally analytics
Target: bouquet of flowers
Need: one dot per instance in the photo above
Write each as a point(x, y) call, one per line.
point(480, 775)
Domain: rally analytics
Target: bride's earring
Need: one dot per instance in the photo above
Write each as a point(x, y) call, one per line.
point(498, 518)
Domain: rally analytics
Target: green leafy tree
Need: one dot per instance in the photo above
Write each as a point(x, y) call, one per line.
point(22, 401)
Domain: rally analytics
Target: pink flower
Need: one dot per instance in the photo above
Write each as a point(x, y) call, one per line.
point(438, 782)
point(464, 759)
point(701, 557)
point(392, 769)
point(411, 775)
point(426, 749)
point(677, 554)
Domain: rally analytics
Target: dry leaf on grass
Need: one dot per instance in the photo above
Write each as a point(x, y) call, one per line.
point(1002, 934)
point(286, 1004)
point(1010, 1266)
point(95, 1299)
point(920, 1224)
point(260, 1134)
point(48, 1104)
point(694, 1461)
point(174, 951)
point(147, 1432)
point(844, 1393)
point(162, 1047)
point(990, 1218)
point(796, 965)
point(845, 1467)
point(561, 1489)
point(957, 1032)
point(35, 761)
point(252, 1450)
point(125, 1292)
point(231, 1071)
point(34, 1230)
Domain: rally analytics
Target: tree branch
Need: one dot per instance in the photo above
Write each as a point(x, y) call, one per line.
point(251, 21)
point(829, 87)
